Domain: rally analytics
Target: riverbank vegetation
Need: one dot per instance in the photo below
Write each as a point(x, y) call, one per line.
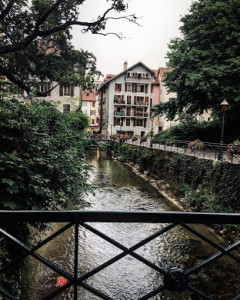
point(42, 165)
point(204, 131)
point(199, 184)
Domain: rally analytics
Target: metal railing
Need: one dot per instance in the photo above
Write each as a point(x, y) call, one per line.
point(174, 279)
point(207, 150)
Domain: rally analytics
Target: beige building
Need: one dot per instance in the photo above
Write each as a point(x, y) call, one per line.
point(89, 104)
point(166, 97)
point(66, 98)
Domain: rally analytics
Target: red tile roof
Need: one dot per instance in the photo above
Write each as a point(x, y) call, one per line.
point(88, 96)
point(156, 77)
point(162, 71)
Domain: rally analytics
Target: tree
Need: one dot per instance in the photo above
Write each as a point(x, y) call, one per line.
point(35, 40)
point(206, 60)
point(42, 156)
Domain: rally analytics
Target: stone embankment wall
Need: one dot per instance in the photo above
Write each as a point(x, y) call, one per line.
point(198, 184)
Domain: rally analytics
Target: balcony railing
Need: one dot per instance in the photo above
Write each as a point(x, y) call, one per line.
point(140, 114)
point(138, 80)
point(119, 113)
point(140, 103)
point(120, 102)
point(173, 279)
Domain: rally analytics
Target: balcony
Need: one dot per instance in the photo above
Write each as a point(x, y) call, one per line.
point(119, 113)
point(140, 114)
point(140, 103)
point(119, 100)
point(138, 79)
point(173, 279)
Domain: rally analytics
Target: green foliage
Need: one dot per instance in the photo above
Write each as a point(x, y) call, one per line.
point(193, 130)
point(36, 41)
point(42, 163)
point(41, 156)
point(204, 185)
point(205, 60)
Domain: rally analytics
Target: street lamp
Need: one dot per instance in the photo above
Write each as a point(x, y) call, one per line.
point(224, 107)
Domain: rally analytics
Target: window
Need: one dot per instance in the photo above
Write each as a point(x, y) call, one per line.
point(93, 122)
point(129, 99)
point(118, 87)
point(84, 103)
point(66, 108)
point(128, 87)
point(92, 112)
point(139, 122)
point(128, 122)
point(141, 88)
point(44, 87)
point(66, 91)
point(93, 104)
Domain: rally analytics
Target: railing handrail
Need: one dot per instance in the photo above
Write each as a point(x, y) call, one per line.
point(78, 216)
point(188, 141)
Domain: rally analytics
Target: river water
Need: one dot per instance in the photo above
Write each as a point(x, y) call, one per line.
point(128, 279)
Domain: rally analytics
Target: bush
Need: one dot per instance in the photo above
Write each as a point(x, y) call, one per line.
point(42, 164)
point(193, 130)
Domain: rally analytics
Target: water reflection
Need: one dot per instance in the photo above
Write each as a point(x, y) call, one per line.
point(128, 279)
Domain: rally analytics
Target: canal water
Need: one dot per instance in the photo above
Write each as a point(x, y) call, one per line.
point(118, 188)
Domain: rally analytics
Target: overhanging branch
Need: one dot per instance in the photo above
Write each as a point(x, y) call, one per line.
point(94, 27)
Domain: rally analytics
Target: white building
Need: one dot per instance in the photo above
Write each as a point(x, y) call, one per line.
point(126, 101)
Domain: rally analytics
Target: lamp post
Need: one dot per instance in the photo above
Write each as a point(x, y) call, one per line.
point(224, 107)
point(151, 132)
point(111, 129)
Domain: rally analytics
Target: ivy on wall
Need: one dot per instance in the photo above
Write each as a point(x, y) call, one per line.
point(206, 185)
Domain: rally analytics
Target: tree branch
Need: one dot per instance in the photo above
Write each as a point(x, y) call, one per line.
point(7, 9)
point(44, 94)
point(14, 79)
point(94, 27)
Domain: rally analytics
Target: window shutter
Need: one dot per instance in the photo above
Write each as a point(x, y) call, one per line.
point(72, 91)
point(49, 87)
point(61, 90)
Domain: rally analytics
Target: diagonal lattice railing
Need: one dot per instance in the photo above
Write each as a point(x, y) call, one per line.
point(175, 279)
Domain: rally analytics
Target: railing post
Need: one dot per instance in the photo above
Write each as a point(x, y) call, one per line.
point(76, 260)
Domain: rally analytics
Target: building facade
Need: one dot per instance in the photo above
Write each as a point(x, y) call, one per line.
point(65, 98)
point(89, 102)
point(126, 101)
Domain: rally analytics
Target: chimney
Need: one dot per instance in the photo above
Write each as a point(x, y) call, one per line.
point(125, 66)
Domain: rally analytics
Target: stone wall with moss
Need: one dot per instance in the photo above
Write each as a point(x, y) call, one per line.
point(203, 184)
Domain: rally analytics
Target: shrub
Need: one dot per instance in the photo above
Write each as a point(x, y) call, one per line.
point(196, 145)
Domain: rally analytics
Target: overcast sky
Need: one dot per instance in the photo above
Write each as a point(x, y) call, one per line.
point(160, 22)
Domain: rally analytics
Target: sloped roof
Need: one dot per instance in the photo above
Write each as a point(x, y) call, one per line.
point(162, 71)
point(124, 71)
point(88, 96)
point(156, 78)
